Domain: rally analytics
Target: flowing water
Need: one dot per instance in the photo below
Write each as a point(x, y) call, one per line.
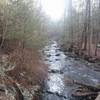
point(61, 68)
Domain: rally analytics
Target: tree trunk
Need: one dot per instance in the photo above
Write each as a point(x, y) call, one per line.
point(70, 11)
point(96, 43)
point(87, 30)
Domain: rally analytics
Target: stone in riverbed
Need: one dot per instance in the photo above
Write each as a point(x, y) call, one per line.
point(49, 92)
point(57, 59)
point(92, 60)
point(77, 58)
point(56, 71)
point(48, 55)
point(61, 96)
point(57, 54)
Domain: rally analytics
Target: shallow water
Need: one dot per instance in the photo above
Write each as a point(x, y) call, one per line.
point(60, 67)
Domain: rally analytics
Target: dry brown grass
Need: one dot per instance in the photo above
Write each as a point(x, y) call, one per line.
point(29, 63)
point(30, 70)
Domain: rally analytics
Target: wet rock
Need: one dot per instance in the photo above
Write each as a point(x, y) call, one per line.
point(70, 49)
point(97, 70)
point(57, 59)
point(57, 55)
point(92, 60)
point(53, 71)
point(50, 60)
point(77, 58)
point(49, 92)
point(99, 63)
point(86, 57)
point(66, 53)
point(61, 72)
point(77, 52)
point(48, 55)
point(46, 59)
point(61, 96)
point(72, 55)
point(56, 71)
point(59, 49)
point(89, 64)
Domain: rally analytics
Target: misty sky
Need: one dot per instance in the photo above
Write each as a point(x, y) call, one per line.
point(55, 8)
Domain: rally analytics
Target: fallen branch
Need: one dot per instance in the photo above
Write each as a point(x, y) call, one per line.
point(85, 94)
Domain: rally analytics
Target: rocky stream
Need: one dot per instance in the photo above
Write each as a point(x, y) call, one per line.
point(68, 78)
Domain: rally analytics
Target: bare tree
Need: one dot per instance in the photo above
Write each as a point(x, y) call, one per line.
point(70, 12)
point(87, 27)
point(98, 31)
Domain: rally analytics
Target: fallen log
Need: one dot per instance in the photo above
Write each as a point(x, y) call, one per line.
point(90, 87)
point(85, 94)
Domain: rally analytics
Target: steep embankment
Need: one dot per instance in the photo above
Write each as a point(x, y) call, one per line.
point(25, 78)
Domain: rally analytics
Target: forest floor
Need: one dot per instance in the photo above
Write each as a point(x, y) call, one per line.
point(81, 53)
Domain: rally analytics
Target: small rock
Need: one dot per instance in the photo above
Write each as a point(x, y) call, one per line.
point(88, 64)
point(92, 60)
point(61, 95)
point(77, 58)
point(48, 55)
point(86, 57)
point(57, 55)
point(56, 71)
point(57, 59)
point(53, 71)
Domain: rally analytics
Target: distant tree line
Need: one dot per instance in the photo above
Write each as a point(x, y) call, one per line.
point(21, 19)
